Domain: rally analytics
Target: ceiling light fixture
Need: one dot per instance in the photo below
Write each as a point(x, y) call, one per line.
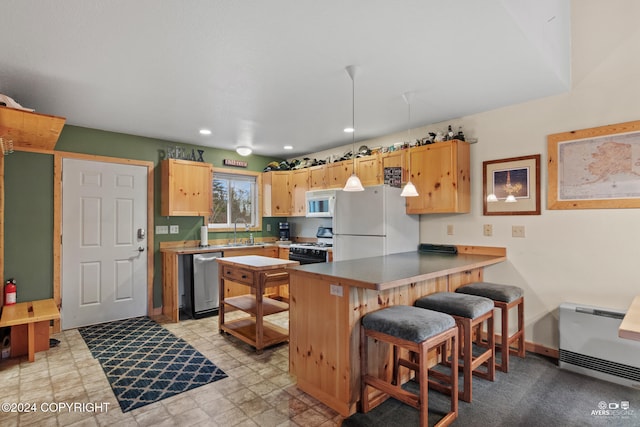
point(353, 183)
point(288, 147)
point(409, 189)
point(244, 150)
point(205, 132)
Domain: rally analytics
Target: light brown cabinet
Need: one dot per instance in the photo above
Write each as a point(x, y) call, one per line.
point(338, 173)
point(369, 170)
point(395, 159)
point(276, 193)
point(186, 188)
point(299, 186)
point(441, 174)
point(30, 131)
point(317, 177)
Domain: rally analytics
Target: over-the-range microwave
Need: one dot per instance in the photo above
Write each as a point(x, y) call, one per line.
point(320, 203)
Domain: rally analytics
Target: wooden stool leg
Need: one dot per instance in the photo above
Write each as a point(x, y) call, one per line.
point(491, 362)
point(466, 353)
point(504, 338)
point(521, 349)
point(424, 386)
point(364, 396)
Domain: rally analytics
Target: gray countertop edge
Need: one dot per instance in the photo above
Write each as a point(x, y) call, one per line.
point(391, 271)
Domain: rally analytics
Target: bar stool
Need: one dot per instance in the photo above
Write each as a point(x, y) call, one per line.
point(504, 298)
point(468, 311)
point(418, 331)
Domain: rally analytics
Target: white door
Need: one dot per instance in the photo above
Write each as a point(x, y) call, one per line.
point(104, 242)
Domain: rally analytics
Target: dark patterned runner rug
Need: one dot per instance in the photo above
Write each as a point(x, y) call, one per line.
point(145, 363)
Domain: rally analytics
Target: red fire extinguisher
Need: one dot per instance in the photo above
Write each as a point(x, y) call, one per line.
point(10, 292)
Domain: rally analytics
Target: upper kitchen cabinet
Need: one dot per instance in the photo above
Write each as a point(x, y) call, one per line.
point(186, 188)
point(441, 174)
point(369, 170)
point(338, 173)
point(317, 177)
point(276, 193)
point(29, 131)
point(299, 186)
point(395, 159)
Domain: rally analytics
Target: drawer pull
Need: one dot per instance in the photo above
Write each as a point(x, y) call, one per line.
point(244, 276)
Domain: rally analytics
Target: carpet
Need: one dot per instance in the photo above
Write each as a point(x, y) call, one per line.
point(534, 393)
point(145, 363)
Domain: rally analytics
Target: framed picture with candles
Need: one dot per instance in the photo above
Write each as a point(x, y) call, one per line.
point(511, 186)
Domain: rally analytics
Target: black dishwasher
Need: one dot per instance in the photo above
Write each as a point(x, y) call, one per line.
point(201, 287)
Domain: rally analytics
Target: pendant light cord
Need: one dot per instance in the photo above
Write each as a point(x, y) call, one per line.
point(353, 123)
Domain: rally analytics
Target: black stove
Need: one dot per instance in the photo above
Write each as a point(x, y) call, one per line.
point(309, 253)
point(313, 252)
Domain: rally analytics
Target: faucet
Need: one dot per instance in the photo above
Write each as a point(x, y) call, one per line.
point(235, 226)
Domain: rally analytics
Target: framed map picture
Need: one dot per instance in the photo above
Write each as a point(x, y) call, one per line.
point(596, 168)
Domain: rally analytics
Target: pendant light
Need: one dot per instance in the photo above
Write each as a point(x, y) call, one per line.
point(353, 183)
point(409, 189)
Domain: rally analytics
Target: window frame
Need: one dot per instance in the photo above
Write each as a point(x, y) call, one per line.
point(258, 176)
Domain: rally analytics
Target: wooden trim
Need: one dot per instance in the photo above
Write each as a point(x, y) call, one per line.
point(553, 168)
point(541, 349)
point(34, 150)
point(482, 250)
point(57, 222)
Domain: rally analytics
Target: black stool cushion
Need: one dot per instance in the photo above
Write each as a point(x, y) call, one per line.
point(494, 291)
point(409, 323)
point(469, 306)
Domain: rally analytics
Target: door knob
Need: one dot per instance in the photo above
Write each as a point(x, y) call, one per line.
point(140, 249)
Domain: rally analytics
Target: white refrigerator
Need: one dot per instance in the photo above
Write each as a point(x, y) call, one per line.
point(371, 223)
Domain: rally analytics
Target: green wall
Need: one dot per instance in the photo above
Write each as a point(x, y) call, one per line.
point(28, 243)
point(29, 203)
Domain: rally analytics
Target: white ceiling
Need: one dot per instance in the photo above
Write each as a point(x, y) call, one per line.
point(272, 73)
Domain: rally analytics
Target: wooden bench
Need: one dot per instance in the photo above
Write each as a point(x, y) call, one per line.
point(32, 317)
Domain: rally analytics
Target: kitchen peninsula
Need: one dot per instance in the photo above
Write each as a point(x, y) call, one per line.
point(327, 301)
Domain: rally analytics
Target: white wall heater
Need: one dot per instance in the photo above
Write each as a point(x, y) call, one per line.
point(589, 345)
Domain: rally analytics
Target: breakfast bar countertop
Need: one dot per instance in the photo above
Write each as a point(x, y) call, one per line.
point(390, 271)
point(630, 326)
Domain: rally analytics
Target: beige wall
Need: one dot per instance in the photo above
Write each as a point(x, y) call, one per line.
point(584, 256)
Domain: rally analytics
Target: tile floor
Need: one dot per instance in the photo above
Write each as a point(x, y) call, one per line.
point(258, 391)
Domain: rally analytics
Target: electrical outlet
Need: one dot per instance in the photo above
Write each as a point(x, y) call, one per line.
point(335, 290)
point(450, 229)
point(174, 229)
point(162, 229)
point(517, 231)
point(268, 227)
point(487, 230)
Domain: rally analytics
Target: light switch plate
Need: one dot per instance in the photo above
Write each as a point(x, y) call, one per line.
point(162, 229)
point(336, 290)
point(487, 230)
point(517, 231)
point(174, 229)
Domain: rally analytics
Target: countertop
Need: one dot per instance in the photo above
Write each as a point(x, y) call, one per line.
point(257, 262)
point(183, 250)
point(394, 270)
point(630, 326)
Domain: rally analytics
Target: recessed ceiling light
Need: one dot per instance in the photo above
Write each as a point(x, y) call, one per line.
point(243, 150)
point(205, 132)
point(288, 147)
point(349, 130)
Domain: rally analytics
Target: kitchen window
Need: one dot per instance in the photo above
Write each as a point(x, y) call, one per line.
point(235, 199)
